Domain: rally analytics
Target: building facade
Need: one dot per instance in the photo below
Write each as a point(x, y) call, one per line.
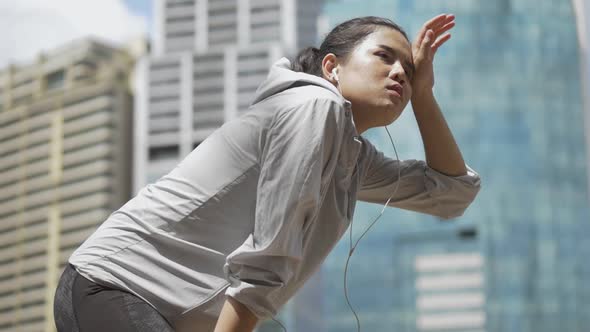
point(209, 56)
point(208, 59)
point(511, 86)
point(65, 147)
point(440, 282)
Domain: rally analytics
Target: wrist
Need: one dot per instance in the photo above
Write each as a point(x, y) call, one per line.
point(422, 95)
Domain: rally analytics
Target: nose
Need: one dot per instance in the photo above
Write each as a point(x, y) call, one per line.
point(398, 73)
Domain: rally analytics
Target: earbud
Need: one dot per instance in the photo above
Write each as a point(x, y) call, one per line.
point(335, 74)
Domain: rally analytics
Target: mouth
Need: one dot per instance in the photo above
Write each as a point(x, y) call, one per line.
point(396, 89)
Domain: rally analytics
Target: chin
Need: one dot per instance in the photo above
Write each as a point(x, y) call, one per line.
point(394, 113)
point(387, 113)
point(392, 120)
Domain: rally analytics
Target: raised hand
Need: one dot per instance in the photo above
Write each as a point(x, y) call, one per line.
point(432, 35)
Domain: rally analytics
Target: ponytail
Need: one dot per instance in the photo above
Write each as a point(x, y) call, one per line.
point(308, 61)
point(341, 41)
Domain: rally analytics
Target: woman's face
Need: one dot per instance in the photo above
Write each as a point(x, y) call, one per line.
point(376, 79)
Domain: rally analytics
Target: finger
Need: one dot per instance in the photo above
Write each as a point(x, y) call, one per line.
point(438, 43)
point(444, 28)
point(433, 21)
point(427, 42)
point(438, 24)
point(441, 30)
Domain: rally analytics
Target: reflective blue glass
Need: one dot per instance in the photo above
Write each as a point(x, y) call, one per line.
point(509, 85)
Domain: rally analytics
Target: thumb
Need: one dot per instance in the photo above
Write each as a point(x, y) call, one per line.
point(427, 42)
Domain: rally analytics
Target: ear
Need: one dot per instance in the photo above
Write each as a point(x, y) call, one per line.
point(329, 62)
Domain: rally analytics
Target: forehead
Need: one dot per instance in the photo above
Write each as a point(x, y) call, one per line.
point(388, 37)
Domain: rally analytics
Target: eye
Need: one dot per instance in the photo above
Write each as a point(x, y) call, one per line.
point(408, 71)
point(383, 55)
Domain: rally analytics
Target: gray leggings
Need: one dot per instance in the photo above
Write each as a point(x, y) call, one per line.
point(82, 305)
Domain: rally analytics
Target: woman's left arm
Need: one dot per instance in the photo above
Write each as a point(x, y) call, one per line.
point(441, 150)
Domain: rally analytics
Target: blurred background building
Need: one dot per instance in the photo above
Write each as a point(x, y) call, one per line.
point(510, 84)
point(438, 281)
point(209, 56)
point(65, 165)
point(208, 59)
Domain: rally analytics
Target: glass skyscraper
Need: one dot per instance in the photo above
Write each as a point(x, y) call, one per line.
point(509, 83)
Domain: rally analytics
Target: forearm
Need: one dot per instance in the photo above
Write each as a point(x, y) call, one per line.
point(441, 150)
point(235, 317)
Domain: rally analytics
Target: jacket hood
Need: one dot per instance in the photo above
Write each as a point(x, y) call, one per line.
point(281, 77)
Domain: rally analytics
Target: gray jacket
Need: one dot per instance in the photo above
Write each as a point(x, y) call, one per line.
point(254, 210)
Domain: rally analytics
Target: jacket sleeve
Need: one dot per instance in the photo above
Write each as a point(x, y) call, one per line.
point(300, 151)
point(421, 188)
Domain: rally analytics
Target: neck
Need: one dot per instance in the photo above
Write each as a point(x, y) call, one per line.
point(359, 123)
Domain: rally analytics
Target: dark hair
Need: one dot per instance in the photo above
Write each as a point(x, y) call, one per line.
point(341, 41)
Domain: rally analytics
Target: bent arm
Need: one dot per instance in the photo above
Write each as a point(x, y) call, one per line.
point(418, 188)
point(235, 317)
point(440, 147)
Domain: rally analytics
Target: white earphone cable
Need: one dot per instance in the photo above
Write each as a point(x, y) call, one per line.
point(284, 328)
point(352, 248)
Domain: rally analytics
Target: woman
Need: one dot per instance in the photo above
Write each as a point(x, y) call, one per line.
point(230, 234)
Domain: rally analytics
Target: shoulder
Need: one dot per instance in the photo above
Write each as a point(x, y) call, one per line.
point(313, 100)
point(315, 116)
point(305, 106)
point(315, 93)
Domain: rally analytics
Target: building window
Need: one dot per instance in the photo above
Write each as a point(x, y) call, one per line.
point(56, 80)
point(467, 233)
point(163, 153)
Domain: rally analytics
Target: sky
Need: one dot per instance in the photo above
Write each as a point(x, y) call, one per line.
point(28, 27)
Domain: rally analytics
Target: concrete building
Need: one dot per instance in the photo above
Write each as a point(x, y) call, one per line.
point(582, 12)
point(65, 147)
point(209, 56)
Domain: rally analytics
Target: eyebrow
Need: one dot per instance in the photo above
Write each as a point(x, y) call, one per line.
point(394, 52)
